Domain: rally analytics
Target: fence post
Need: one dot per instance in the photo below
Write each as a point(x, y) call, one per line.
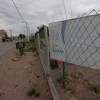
point(47, 44)
point(63, 78)
point(38, 42)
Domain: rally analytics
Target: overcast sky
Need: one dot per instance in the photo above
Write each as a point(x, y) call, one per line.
point(39, 12)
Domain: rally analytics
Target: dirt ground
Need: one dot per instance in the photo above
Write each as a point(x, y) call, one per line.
point(19, 77)
point(77, 87)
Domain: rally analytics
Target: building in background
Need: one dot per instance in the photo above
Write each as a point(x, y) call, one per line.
point(3, 35)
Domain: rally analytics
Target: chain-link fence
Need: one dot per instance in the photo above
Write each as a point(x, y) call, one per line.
point(74, 56)
point(42, 44)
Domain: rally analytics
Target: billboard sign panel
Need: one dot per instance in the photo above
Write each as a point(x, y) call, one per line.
point(57, 42)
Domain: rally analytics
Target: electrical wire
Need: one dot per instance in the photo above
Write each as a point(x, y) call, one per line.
point(54, 17)
point(18, 11)
point(63, 2)
point(61, 14)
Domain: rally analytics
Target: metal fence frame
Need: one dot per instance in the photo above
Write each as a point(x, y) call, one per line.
point(45, 51)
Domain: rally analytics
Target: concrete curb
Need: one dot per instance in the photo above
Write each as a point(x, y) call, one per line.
point(51, 84)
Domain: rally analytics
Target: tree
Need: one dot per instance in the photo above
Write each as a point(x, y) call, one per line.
point(6, 36)
point(22, 36)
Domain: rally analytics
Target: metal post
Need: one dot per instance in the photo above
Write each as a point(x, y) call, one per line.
point(11, 34)
point(27, 31)
point(63, 74)
point(47, 41)
point(38, 42)
point(24, 31)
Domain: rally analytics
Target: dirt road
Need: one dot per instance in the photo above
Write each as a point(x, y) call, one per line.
point(4, 47)
point(17, 78)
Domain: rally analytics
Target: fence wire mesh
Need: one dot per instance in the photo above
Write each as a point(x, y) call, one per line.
point(81, 38)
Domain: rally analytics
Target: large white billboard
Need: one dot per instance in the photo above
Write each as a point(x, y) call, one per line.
point(76, 41)
point(57, 44)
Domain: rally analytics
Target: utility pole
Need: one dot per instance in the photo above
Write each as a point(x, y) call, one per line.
point(24, 31)
point(11, 34)
point(27, 31)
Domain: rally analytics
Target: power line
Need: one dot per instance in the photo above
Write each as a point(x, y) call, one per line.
point(22, 19)
point(18, 11)
point(63, 2)
point(61, 14)
point(54, 17)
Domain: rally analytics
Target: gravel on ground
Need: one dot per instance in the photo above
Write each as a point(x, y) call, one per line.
point(18, 77)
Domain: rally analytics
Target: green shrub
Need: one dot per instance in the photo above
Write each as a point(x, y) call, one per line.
point(30, 46)
point(37, 94)
point(59, 80)
point(31, 92)
point(94, 88)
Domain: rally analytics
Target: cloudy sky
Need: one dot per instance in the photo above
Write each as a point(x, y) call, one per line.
point(39, 12)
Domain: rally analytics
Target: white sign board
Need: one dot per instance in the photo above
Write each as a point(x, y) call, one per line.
point(57, 44)
point(76, 41)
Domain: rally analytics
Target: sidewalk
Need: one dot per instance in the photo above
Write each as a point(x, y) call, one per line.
point(19, 77)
